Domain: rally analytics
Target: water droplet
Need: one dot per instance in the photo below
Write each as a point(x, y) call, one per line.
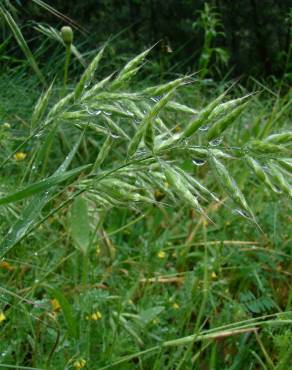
point(198, 162)
point(36, 253)
point(92, 112)
point(216, 142)
point(241, 212)
point(114, 136)
point(130, 113)
point(107, 113)
point(277, 189)
point(204, 128)
point(156, 99)
point(38, 135)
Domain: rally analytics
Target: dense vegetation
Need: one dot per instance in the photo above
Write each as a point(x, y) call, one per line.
point(250, 37)
point(145, 223)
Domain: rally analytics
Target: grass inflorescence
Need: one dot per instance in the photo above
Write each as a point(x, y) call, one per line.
point(144, 227)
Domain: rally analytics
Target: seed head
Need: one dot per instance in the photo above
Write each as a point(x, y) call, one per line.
point(6, 125)
point(67, 34)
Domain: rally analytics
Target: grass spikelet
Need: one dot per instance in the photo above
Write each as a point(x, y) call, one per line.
point(103, 153)
point(222, 124)
point(149, 135)
point(164, 88)
point(40, 107)
point(177, 107)
point(262, 147)
point(202, 117)
point(60, 106)
point(227, 106)
point(279, 179)
point(130, 69)
point(282, 138)
point(178, 183)
point(91, 93)
point(121, 191)
point(260, 172)
point(160, 104)
point(88, 74)
point(286, 164)
point(195, 184)
point(135, 142)
point(146, 128)
point(229, 185)
point(116, 128)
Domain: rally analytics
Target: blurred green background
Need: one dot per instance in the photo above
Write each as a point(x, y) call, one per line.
point(243, 38)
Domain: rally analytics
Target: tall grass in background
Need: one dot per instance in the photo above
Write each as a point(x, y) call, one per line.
point(109, 196)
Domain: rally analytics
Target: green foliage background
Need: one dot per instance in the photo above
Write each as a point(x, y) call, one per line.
point(257, 32)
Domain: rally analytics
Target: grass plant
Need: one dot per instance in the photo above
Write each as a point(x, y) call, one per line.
point(144, 227)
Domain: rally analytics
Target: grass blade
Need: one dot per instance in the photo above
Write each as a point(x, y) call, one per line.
point(22, 43)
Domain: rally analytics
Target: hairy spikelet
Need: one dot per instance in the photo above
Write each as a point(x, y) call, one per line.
point(91, 93)
point(178, 183)
point(136, 140)
point(164, 88)
point(146, 128)
point(286, 164)
point(130, 69)
point(227, 106)
point(221, 125)
point(59, 107)
point(260, 173)
point(279, 179)
point(202, 118)
point(41, 107)
point(229, 185)
point(116, 129)
point(195, 184)
point(262, 147)
point(177, 107)
point(87, 76)
point(282, 138)
point(103, 153)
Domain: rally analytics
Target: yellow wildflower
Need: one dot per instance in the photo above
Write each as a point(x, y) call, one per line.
point(176, 306)
point(80, 364)
point(19, 156)
point(98, 250)
point(56, 305)
point(161, 254)
point(214, 275)
point(95, 316)
point(2, 317)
